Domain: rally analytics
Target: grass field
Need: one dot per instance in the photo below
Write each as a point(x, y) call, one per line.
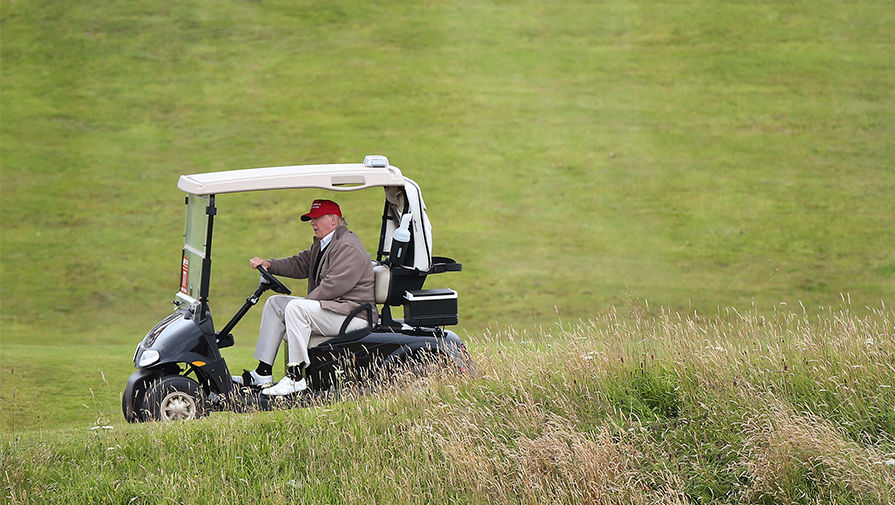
point(748, 408)
point(700, 158)
point(698, 155)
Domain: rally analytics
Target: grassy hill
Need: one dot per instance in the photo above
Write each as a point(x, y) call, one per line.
point(698, 155)
point(691, 157)
point(754, 409)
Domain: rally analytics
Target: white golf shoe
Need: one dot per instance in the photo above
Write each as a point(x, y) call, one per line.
point(254, 379)
point(286, 386)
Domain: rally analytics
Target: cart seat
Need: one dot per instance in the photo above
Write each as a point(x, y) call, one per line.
point(381, 278)
point(315, 340)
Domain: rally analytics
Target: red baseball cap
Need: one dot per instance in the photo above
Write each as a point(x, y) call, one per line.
point(322, 208)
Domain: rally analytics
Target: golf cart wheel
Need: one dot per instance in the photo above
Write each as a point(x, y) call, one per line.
point(138, 414)
point(174, 398)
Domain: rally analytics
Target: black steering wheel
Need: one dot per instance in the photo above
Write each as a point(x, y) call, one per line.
point(275, 283)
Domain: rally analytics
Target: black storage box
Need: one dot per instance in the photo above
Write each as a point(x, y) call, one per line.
point(430, 307)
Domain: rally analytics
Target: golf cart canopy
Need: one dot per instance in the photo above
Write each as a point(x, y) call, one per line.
point(340, 177)
point(402, 195)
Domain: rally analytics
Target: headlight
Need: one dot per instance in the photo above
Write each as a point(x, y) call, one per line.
point(149, 357)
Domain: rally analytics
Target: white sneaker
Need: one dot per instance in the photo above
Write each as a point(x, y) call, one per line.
point(286, 386)
point(256, 380)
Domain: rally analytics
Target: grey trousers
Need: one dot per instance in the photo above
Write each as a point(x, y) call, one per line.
point(294, 319)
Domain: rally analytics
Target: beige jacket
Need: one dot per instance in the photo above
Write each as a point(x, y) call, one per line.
point(344, 279)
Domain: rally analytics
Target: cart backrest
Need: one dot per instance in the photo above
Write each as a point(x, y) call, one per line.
point(381, 278)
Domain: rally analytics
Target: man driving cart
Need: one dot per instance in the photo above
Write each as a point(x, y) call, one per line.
point(340, 278)
point(343, 324)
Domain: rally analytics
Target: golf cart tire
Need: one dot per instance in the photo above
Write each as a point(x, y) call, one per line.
point(138, 413)
point(173, 398)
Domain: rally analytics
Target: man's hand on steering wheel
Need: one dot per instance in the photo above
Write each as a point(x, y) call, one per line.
point(256, 262)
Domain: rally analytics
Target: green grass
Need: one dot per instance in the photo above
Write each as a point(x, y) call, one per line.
point(661, 158)
point(698, 155)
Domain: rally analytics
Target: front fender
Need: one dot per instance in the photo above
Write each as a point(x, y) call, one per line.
point(135, 389)
point(178, 339)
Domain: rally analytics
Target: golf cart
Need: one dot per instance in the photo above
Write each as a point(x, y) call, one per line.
point(180, 372)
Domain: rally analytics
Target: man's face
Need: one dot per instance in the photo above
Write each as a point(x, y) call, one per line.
point(323, 225)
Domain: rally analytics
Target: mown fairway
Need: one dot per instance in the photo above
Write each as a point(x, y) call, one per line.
point(691, 157)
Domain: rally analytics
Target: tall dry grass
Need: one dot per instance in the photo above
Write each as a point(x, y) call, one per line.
point(679, 408)
point(623, 408)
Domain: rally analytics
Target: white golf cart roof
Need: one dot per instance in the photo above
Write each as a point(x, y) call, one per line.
point(338, 177)
point(402, 194)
